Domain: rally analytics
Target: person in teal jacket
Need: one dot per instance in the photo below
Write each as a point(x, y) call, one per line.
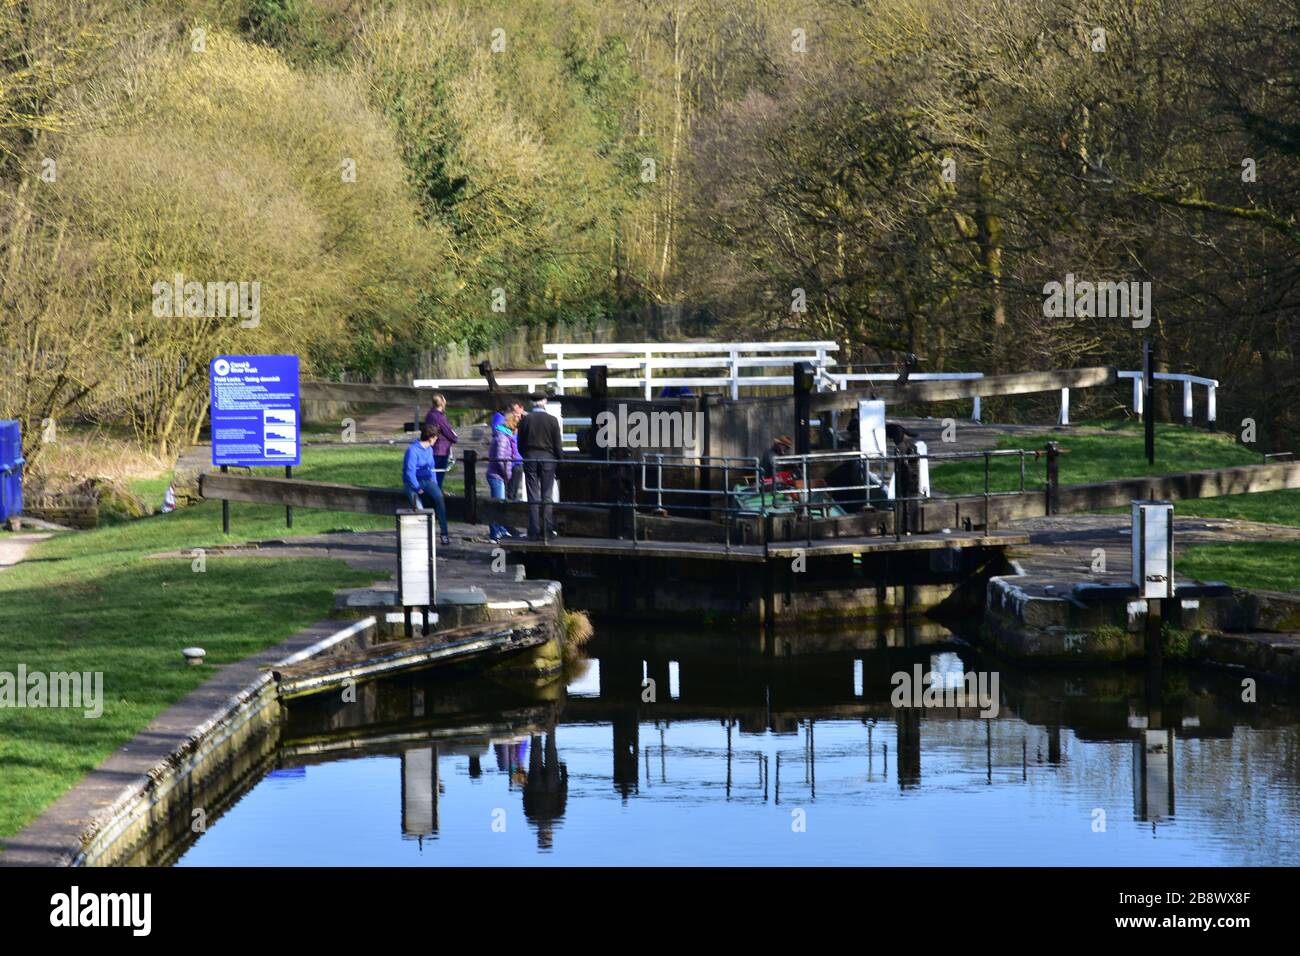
point(418, 479)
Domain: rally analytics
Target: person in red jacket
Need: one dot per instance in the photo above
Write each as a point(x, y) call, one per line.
point(446, 435)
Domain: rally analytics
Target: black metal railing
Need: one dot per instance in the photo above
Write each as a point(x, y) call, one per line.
point(774, 493)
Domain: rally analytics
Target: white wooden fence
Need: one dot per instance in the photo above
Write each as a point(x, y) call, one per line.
point(729, 361)
point(732, 366)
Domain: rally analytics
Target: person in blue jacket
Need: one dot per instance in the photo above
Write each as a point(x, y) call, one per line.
point(418, 470)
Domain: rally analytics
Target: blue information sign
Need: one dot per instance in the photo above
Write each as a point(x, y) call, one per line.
point(255, 410)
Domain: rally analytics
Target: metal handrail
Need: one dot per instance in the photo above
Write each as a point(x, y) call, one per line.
point(805, 489)
point(768, 495)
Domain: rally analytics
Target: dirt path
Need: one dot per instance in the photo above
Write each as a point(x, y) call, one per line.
point(13, 547)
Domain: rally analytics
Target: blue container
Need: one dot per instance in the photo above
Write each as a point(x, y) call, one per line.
point(11, 470)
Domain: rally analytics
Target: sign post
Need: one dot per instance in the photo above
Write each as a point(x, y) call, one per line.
point(417, 573)
point(1148, 412)
point(255, 415)
point(1153, 567)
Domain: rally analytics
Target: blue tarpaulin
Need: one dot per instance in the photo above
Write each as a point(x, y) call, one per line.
point(11, 470)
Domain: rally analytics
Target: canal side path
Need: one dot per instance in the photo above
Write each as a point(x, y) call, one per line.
point(465, 575)
point(14, 547)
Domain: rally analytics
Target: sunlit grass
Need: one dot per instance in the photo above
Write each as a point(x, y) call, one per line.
point(1121, 453)
point(107, 610)
point(91, 600)
point(1270, 565)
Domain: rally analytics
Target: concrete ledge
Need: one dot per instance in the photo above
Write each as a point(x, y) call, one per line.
point(1092, 622)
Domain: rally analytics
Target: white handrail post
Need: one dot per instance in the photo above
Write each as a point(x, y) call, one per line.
point(734, 367)
point(559, 372)
point(1211, 405)
point(649, 389)
point(975, 410)
point(1187, 401)
point(1065, 407)
point(1137, 394)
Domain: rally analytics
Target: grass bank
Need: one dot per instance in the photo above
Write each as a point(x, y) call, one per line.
point(92, 601)
point(1117, 450)
point(1270, 565)
point(378, 466)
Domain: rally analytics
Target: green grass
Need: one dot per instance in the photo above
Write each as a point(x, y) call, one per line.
point(129, 620)
point(150, 490)
point(1272, 507)
point(1270, 565)
point(91, 601)
point(1120, 453)
point(378, 466)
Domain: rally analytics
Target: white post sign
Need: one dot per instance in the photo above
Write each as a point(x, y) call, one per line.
point(1153, 548)
point(417, 577)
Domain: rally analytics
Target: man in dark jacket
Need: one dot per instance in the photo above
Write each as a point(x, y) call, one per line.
point(542, 446)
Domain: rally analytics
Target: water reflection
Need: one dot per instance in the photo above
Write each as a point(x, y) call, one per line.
point(661, 753)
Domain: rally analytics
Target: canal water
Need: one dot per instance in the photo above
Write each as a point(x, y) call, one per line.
point(797, 758)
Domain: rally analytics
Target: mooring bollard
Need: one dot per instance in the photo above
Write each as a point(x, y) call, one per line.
point(471, 486)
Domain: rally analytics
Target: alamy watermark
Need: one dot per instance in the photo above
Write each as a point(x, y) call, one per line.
point(61, 689)
point(1100, 300)
point(643, 429)
point(73, 909)
point(930, 689)
point(177, 299)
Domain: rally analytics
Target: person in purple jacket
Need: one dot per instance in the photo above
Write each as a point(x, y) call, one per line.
point(502, 451)
point(515, 483)
point(437, 420)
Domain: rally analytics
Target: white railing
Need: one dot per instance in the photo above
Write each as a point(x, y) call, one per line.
point(535, 384)
point(1211, 392)
point(728, 358)
point(841, 380)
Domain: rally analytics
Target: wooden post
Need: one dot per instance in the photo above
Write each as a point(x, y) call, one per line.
point(598, 390)
point(1053, 477)
point(1148, 411)
point(1155, 632)
point(803, 389)
point(605, 484)
point(471, 486)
